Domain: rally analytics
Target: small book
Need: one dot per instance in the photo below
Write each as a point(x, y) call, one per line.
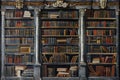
point(27, 14)
point(62, 69)
point(96, 60)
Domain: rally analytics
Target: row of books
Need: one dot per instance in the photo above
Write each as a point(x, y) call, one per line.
point(60, 14)
point(104, 59)
point(19, 59)
point(102, 49)
point(18, 13)
point(10, 71)
point(19, 40)
point(54, 40)
point(101, 32)
point(19, 71)
point(65, 72)
point(101, 40)
point(59, 58)
point(101, 13)
point(19, 32)
point(28, 73)
point(108, 71)
point(60, 32)
point(70, 71)
point(56, 49)
point(19, 49)
point(19, 23)
point(48, 24)
point(101, 24)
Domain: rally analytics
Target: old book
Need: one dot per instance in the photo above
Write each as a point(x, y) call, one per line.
point(27, 14)
point(91, 69)
point(113, 70)
point(108, 71)
point(62, 69)
point(44, 58)
point(96, 60)
point(51, 72)
point(19, 69)
point(108, 59)
point(73, 71)
point(114, 58)
point(100, 70)
point(74, 59)
point(44, 70)
point(63, 74)
point(104, 49)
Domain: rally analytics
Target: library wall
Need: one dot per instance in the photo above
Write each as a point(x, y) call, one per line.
point(40, 38)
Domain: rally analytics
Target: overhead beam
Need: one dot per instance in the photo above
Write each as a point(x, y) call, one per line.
point(40, 3)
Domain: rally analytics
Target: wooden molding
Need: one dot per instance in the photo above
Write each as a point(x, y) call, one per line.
point(11, 3)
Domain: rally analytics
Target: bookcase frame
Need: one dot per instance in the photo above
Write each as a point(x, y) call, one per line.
point(56, 15)
point(90, 56)
point(26, 39)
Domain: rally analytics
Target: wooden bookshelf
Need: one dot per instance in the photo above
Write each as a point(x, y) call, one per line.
point(59, 40)
point(101, 35)
point(19, 45)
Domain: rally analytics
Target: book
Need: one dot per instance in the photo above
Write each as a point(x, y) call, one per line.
point(62, 69)
point(74, 59)
point(96, 60)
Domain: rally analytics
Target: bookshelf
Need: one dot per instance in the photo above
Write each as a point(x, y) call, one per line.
point(101, 43)
point(59, 43)
point(18, 43)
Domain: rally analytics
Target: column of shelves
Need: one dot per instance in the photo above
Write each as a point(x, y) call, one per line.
point(101, 41)
point(19, 45)
point(59, 41)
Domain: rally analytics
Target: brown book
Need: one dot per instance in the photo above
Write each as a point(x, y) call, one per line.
point(51, 59)
point(113, 71)
point(114, 58)
point(74, 59)
point(44, 70)
point(104, 49)
point(102, 59)
point(44, 58)
point(108, 59)
point(108, 71)
point(100, 70)
point(91, 69)
point(10, 59)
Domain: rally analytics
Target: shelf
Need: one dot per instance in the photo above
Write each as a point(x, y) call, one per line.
point(57, 63)
point(19, 36)
point(15, 44)
point(60, 78)
point(19, 18)
point(101, 18)
point(59, 27)
point(101, 35)
point(102, 64)
point(15, 77)
point(59, 19)
point(67, 53)
point(20, 64)
point(60, 36)
point(101, 28)
point(105, 44)
point(60, 44)
point(21, 27)
point(101, 53)
point(19, 54)
point(103, 78)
